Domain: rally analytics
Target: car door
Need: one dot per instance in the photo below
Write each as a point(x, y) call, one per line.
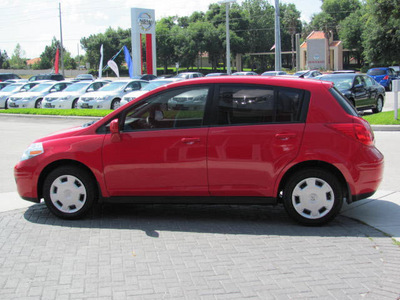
point(371, 90)
point(360, 92)
point(161, 149)
point(259, 132)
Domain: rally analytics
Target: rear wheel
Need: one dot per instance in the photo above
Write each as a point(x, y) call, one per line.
point(69, 192)
point(312, 196)
point(389, 88)
point(379, 105)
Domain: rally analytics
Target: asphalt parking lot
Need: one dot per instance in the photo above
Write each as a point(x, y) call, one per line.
point(188, 252)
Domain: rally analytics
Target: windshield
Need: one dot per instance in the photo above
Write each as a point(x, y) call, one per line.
point(342, 82)
point(42, 87)
point(11, 88)
point(182, 75)
point(76, 87)
point(375, 72)
point(154, 84)
point(113, 86)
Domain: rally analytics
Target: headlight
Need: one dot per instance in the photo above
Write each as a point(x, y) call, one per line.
point(64, 98)
point(32, 151)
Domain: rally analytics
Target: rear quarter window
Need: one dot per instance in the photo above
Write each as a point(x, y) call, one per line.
point(246, 104)
point(343, 102)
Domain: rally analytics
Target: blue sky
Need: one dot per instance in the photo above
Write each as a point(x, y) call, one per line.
point(34, 23)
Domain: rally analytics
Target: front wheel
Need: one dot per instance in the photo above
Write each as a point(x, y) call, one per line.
point(38, 103)
point(69, 192)
point(379, 105)
point(74, 104)
point(312, 196)
point(115, 104)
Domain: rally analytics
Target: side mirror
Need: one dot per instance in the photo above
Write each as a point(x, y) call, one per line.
point(115, 133)
point(52, 90)
point(358, 86)
point(114, 126)
point(90, 90)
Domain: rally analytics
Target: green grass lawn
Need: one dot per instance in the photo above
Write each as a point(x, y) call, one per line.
point(58, 112)
point(383, 118)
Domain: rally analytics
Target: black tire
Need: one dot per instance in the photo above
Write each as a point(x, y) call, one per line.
point(6, 104)
point(38, 103)
point(312, 196)
point(389, 88)
point(69, 192)
point(74, 104)
point(379, 105)
point(115, 104)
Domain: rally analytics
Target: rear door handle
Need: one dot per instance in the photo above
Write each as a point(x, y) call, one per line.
point(285, 136)
point(190, 141)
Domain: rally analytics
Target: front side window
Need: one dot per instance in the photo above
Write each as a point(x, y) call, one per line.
point(179, 108)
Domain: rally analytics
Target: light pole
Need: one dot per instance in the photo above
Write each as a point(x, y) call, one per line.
point(228, 45)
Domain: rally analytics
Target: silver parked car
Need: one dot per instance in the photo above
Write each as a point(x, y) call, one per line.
point(110, 95)
point(189, 75)
point(151, 86)
point(68, 98)
point(33, 98)
point(14, 88)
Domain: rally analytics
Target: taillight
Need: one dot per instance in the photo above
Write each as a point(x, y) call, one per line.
point(386, 77)
point(359, 130)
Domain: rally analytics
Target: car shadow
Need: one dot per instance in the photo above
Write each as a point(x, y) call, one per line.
point(216, 219)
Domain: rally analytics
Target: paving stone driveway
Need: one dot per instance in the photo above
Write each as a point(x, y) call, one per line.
point(192, 252)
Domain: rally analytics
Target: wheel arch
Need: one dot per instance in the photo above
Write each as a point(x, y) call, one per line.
point(65, 162)
point(320, 165)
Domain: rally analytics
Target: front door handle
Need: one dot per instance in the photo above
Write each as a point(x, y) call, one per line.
point(190, 141)
point(285, 136)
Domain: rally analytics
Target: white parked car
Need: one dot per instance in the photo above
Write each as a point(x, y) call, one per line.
point(110, 95)
point(68, 98)
point(151, 86)
point(33, 98)
point(14, 88)
point(189, 75)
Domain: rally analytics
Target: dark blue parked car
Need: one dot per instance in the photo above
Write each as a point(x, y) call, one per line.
point(384, 76)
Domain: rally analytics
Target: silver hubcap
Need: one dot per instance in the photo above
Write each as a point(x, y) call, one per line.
point(68, 194)
point(313, 198)
point(379, 106)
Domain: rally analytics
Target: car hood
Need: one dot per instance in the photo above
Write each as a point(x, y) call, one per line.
point(101, 94)
point(32, 94)
point(63, 94)
point(77, 130)
point(135, 94)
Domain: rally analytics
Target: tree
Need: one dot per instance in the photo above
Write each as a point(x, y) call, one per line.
point(338, 10)
point(291, 22)
point(350, 32)
point(381, 39)
point(17, 61)
point(47, 58)
point(3, 60)
point(112, 41)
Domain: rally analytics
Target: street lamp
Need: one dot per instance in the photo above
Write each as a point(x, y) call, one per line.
point(228, 45)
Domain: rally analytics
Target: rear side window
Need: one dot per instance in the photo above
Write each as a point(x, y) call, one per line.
point(376, 72)
point(344, 103)
point(258, 105)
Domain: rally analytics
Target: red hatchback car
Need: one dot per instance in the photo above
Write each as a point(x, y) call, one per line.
point(236, 140)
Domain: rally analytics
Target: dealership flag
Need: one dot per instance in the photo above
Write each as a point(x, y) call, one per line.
point(101, 61)
point(56, 61)
point(128, 60)
point(113, 65)
point(273, 47)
